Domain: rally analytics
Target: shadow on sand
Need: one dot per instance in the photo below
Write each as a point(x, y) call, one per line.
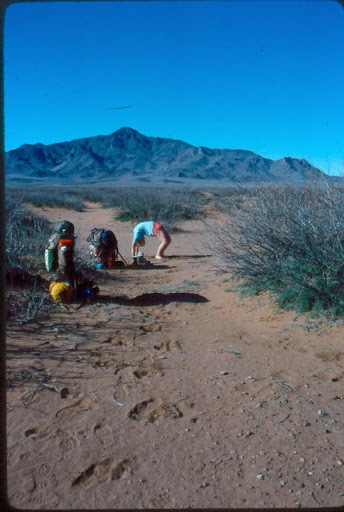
point(154, 299)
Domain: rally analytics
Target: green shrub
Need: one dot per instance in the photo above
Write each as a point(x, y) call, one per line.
point(291, 241)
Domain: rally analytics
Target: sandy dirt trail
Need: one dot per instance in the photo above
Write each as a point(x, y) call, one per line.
point(170, 391)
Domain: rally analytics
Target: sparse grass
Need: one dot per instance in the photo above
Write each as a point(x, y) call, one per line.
point(54, 197)
point(164, 204)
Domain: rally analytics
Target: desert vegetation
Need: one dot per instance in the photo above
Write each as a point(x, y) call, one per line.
point(289, 240)
point(26, 235)
point(53, 197)
point(168, 205)
point(166, 349)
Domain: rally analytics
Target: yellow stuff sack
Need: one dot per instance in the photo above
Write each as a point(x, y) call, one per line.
point(61, 291)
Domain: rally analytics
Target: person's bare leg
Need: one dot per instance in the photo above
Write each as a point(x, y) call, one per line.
point(161, 249)
point(165, 240)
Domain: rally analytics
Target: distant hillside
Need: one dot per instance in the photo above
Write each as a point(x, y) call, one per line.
point(127, 156)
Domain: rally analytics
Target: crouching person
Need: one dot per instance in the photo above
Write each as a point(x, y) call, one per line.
point(150, 228)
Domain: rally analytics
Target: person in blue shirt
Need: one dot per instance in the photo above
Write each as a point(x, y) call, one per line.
point(150, 228)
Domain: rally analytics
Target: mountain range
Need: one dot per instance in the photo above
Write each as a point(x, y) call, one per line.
point(128, 157)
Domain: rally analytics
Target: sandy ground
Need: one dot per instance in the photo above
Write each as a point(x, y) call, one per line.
point(170, 391)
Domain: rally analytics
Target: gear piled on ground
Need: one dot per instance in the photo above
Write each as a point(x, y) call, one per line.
point(61, 291)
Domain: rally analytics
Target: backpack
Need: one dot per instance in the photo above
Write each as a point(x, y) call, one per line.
point(103, 245)
point(60, 251)
point(64, 229)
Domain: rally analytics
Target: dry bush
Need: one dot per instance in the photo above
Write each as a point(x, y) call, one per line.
point(50, 196)
point(25, 239)
point(26, 236)
point(234, 197)
point(289, 240)
point(167, 205)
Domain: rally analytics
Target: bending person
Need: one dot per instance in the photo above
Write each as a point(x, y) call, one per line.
point(150, 228)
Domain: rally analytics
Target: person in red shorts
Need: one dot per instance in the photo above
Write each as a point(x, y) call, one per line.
point(150, 228)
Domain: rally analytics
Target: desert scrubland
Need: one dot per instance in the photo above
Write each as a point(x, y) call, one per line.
point(210, 379)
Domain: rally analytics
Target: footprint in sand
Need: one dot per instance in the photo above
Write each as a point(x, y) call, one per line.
point(138, 411)
point(49, 497)
point(43, 470)
point(164, 411)
point(127, 373)
point(173, 345)
point(168, 345)
point(104, 434)
point(46, 484)
point(122, 470)
point(104, 471)
point(30, 432)
point(68, 444)
point(329, 356)
point(140, 373)
point(146, 411)
point(26, 464)
point(75, 409)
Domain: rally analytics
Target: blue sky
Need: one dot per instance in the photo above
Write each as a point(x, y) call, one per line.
point(266, 76)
